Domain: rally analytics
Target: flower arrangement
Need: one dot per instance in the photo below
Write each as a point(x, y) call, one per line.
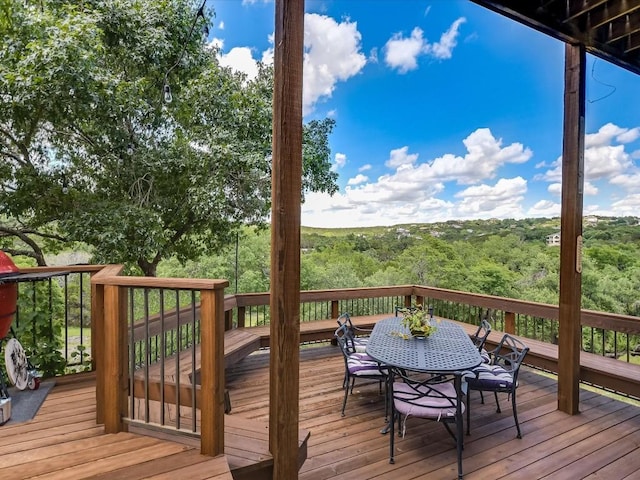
point(418, 320)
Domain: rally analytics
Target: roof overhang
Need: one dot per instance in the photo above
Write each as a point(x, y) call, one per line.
point(609, 29)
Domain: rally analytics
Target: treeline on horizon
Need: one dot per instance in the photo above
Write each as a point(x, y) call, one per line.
point(507, 258)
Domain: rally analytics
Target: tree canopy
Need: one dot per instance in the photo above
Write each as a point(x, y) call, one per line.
point(92, 150)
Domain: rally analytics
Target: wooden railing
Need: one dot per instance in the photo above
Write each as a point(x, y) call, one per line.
point(116, 324)
point(113, 318)
point(519, 317)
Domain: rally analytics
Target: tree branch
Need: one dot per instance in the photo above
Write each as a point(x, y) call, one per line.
point(12, 232)
point(35, 252)
point(24, 160)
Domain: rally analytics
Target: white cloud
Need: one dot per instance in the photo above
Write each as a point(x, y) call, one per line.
point(605, 135)
point(411, 191)
point(501, 200)
point(240, 59)
point(365, 167)
point(630, 182)
point(443, 49)
point(628, 205)
point(373, 55)
point(216, 43)
point(332, 55)
point(400, 157)
point(631, 135)
point(221, 25)
point(358, 179)
point(545, 208)
point(555, 189)
point(606, 164)
point(340, 160)
point(485, 155)
point(402, 52)
point(590, 189)
point(602, 160)
point(267, 56)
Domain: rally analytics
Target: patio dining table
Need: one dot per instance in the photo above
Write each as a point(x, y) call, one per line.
point(447, 351)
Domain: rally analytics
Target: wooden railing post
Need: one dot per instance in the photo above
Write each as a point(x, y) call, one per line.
point(335, 308)
point(241, 315)
point(510, 323)
point(212, 371)
point(228, 320)
point(114, 368)
point(407, 301)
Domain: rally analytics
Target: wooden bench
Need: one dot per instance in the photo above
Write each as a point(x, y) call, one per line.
point(238, 343)
point(171, 381)
point(594, 369)
point(317, 330)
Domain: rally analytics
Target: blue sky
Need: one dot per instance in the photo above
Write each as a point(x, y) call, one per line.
point(444, 110)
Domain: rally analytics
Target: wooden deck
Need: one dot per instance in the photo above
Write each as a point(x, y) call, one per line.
point(64, 442)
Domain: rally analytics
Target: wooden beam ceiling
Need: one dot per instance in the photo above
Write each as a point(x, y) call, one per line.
point(609, 29)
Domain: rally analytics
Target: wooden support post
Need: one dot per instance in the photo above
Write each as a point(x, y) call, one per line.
point(212, 397)
point(97, 346)
point(286, 193)
point(571, 230)
point(115, 359)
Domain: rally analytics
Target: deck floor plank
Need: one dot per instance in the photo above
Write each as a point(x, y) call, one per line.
point(601, 442)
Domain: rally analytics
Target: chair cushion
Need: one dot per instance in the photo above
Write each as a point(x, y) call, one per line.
point(432, 406)
point(361, 364)
point(487, 376)
point(360, 344)
point(486, 357)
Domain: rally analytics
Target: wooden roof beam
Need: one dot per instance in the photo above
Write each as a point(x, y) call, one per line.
point(622, 27)
point(609, 12)
point(587, 5)
point(633, 43)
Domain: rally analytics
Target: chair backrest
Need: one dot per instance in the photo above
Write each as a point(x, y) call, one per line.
point(430, 395)
point(343, 319)
point(344, 337)
point(398, 308)
point(510, 353)
point(412, 309)
point(480, 337)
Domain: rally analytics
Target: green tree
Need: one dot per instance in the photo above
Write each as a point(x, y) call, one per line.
point(92, 151)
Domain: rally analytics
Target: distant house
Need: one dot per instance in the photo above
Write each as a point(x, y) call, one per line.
point(553, 240)
point(402, 232)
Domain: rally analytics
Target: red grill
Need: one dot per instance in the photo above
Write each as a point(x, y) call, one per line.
point(8, 294)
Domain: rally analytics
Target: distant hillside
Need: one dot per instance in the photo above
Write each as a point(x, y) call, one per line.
point(603, 229)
